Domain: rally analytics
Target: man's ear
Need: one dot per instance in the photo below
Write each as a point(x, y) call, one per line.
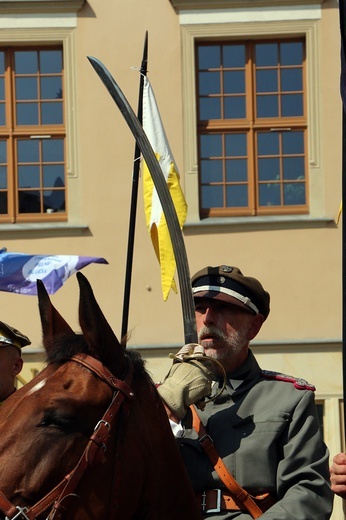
point(17, 366)
point(255, 326)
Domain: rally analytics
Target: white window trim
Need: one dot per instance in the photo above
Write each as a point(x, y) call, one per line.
point(309, 28)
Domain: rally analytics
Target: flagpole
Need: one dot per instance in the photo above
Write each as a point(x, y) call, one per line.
point(343, 173)
point(134, 196)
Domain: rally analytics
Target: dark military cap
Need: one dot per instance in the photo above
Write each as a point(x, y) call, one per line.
point(11, 336)
point(228, 284)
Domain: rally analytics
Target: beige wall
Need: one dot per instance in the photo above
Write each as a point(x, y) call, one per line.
point(299, 262)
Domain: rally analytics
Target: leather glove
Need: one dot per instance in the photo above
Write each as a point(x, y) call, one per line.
point(187, 382)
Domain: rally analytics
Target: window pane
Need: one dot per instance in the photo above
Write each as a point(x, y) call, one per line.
point(291, 53)
point(294, 194)
point(291, 80)
point(234, 56)
point(211, 146)
point(28, 151)
point(235, 107)
point(268, 143)
point(29, 202)
point(51, 88)
point(2, 89)
point(266, 54)
point(53, 176)
point(268, 169)
point(235, 145)
point(53, 150)
point(211, 171)
point(269, 195)
point(3, 152)
point(27, 113)
point(212, 197)
point(267, 81)
point(2, 115)
point(209, 57)
point(29, 176)
point(26, 88)
point(52, 113)
point(293, 168)
point(237, 196)
point(3, 177)
point(54, 200)
point(292, 105)
point(236, 170)
point(267, 106)
point(51, 61)
point(234, 82)
point(3, 203)
point(209, 108)
point(2, 62)
point(26, 62)
point(293, 143)
point(209, 83)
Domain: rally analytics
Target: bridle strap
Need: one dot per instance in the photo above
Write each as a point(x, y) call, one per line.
point(99, 439)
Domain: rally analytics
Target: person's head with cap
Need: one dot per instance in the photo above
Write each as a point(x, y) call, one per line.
point(230, 310)
point(11, 362)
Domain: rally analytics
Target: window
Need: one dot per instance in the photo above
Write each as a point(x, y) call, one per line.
point(32, 134)
point(252, 124)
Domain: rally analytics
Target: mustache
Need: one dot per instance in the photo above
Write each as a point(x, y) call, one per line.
point(211, 331)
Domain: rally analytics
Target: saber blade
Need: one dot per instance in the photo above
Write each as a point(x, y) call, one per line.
point(188, 309)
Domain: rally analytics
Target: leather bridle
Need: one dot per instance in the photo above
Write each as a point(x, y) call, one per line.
point(58, 496)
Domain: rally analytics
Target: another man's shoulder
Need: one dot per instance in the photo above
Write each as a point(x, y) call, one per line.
point(300, 384)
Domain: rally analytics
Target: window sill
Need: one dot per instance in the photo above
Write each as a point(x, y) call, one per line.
point(40, 6)
point(43, 230)
point(257, 223)
point(180, 5)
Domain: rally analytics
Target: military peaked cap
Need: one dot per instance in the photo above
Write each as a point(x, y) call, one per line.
point(227, 283)
point(12, 336)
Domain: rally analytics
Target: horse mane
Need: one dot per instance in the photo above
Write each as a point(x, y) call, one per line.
point(68, 345)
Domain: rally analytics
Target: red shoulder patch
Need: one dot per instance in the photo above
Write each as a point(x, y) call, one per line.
point(301, 384)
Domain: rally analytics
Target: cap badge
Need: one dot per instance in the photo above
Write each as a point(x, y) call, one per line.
point(221, 279)
point(226, 269)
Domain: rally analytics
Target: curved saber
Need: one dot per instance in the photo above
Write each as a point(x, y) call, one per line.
point(188, 308)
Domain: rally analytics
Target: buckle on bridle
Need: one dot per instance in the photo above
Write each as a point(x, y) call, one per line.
point(217, 508)
point(20, 515)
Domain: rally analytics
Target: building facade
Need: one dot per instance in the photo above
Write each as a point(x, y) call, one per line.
point(248, 91)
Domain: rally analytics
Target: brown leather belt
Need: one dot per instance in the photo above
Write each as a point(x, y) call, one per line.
point(216, 500)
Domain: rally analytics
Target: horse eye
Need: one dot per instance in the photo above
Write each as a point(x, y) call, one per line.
point(54, 418)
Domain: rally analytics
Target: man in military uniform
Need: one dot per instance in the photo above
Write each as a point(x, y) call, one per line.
point(263, 425)
point(11, 362)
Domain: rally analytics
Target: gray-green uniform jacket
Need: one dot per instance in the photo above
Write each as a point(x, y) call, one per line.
point(267, 433)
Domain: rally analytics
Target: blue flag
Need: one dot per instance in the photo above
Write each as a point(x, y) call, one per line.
point(19, 272)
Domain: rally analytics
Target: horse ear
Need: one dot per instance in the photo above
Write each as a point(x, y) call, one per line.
point(53, 323)
point(97, 332)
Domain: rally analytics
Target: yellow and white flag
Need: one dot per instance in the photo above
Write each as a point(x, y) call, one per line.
point(155, 219)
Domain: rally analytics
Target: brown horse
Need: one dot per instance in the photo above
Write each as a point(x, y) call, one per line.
point(88, 437)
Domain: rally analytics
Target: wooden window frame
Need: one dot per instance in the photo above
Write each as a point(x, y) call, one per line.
point(13, 133)
point(190, 33)
point(251, 125)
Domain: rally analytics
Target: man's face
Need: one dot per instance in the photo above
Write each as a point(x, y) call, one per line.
point(225, 331)
point(10, 365)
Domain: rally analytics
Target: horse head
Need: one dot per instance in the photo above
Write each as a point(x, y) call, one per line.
point(88, 438)
point(98, 338)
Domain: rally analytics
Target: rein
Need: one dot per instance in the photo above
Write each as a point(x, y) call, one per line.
point(95, 448)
